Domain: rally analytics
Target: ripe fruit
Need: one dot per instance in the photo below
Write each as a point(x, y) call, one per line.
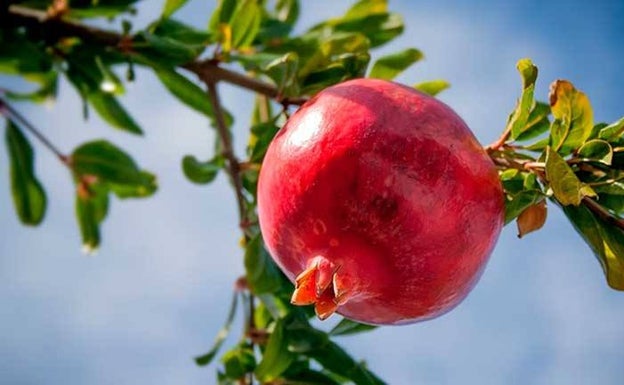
point(379, 203)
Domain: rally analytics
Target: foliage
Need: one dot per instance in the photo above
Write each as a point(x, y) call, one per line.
point(548, 152)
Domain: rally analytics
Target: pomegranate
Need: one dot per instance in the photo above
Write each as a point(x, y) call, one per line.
point(379, 203)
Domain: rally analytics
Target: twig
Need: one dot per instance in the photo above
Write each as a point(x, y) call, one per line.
point(13, 114)
point(233, 167)
point(499, 142)
point(209, 71)
point(603, 213)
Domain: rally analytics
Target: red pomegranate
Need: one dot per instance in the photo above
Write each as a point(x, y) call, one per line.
point(379, 203)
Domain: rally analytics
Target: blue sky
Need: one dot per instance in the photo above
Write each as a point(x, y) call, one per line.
point(157, 291)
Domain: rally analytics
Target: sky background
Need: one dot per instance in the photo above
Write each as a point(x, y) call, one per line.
point(157, 291)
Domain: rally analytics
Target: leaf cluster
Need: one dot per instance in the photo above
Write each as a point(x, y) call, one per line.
point(556, 152)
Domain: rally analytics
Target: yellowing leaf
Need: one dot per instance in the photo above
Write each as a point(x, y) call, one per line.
point(432, 87)
point(566, 186)
point(574, 117)
point(389, 66)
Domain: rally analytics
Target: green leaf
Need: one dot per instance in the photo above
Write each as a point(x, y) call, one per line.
point(516, 204)
point(605, 240)
point(264, 134)
point(364, 8)
point(347, 327)
point(566, 186)
point(202, 172)
point(321, 79)
point(146, 187)
point(335, 359)
point(110, 83)
point(47, 91)
point(205, 359)
point(222, 15)
point(310, 377)
point(183, 33)
point(389, 66)
point(277, 358)
point(185, 90)
point(112, 112)
point(171, 6)
point(432, 87)
point(378, 28)
point(597, 150)
point(163, 50)
point(613, 131)
point(303, 338)
point(537, 122)
point(519, 118)
point(20, 56)
point(283, 71)
point(574, 117)
point(29, 197)
point(538, 146)
point(109, 164)
point(94, 9)
point(238, 362)
point(245, 23)
point(91, 209)
point(287, 11)
point(263, 275)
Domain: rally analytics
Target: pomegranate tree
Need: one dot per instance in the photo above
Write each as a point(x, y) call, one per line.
point(379, 203)
point(375, 200)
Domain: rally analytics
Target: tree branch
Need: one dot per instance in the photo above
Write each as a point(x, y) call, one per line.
point(55, 28)
point(233, 166)
point(209, 71)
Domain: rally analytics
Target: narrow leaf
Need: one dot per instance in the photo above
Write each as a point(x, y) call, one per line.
point(365, 8)
point(335, 359)
point(389, 66)
point(205, 359)
point(181, 32)
point(263, 276)
point(287, 11)
point(276, 358)
point(91, 209)
point(112, 112)
point(172, 6)
point(202, 172)
point(574, 117)
point(245, 23)
point(347, 327)
point(29, 197)
point(238, 362)
point(519, 118)
point(188, 92)
point(566, 186)
point(432, 87)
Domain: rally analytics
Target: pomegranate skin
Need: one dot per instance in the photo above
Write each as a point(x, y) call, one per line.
point(387, 192)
